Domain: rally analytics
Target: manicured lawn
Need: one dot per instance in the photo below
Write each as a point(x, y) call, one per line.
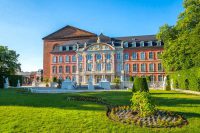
point(53, 113)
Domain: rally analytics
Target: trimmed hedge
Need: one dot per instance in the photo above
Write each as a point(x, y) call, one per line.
point(140, 84)
point(187, 79)
point(13, 80)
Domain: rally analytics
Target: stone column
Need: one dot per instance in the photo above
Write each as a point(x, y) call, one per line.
point(77, 69)
point(93, 62)
point(113, 62)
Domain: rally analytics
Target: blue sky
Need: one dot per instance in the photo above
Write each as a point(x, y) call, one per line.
point(23, 23)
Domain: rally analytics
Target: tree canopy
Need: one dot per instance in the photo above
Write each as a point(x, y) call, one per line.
point(8, 61)
point(182, 40)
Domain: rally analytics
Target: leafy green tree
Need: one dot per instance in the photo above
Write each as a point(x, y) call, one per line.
point(181, 49)
point(8, 61)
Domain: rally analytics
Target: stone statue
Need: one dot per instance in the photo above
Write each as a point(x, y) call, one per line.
point(6, 84)
point(98, 39)
point(164, 83)
point(90, 84)
point(18, 83)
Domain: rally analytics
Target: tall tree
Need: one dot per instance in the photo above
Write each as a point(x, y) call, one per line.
point(8, 61)
point(181, 49)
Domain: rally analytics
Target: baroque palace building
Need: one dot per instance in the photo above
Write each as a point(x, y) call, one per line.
point(78, 54)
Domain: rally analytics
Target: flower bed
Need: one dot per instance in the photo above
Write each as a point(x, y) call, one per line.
point(159, 119)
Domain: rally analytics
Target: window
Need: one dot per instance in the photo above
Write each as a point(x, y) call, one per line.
point(60, 59)
point(158, 55)
point(151, 67)
point(74, 58)
point(67, 70)
point(80, 58)
point(142, 55)
point(152, 78)
point(134, 56)
point(150, 55)
point(160, 69)
point(126, 67)
point(67, 58)
point(74, 47)
point(135, 68)
point(54, 69)
point(67, 48)
point(73, 69)
point(150, 43)
point(89, 57)
point(98, 67)
point(133, 44)
point(80, 67)
point(108, 56)
point(119, 67)
point(54, 59)
point(60, 69)
point(118, 56)
point(143, 67)
point(98, 56)
point(126, 56)
point(160, 78)
point(108, 67)
point(126, 44)
point(158, 43)
point(142, 44)
point(89, 67)
point(60, 48)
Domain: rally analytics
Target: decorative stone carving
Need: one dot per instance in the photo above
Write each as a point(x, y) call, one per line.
point(18, 83)
point(6, 84)
point(90, 84)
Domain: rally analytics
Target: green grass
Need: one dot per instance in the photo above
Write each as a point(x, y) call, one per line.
point(53, 113)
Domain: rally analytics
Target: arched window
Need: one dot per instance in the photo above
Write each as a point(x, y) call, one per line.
point(150, 55)
point(89, 57)
point(60, 59)
point(54, 69)
point(151, 67)
point(67, 58)
point(108, 56)
point(142, 55)
point(89, 67)
point(60, 69)
point(98, 67)
point(134, 56)
point(160, 69)
point(126, 56)
point(74, 58)
point(108, 67)
point(80, 58)
point(118, 56)
point(98, 56)
point(54, 59)
point(143, 67)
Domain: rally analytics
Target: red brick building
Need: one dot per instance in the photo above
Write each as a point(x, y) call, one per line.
point(79, 54)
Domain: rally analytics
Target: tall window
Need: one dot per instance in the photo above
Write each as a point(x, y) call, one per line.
point(160, 69)
point(152, 78)
point(60, 59)
point(150, 43)
point(135, 68)
point(74, 47)
point(89, 67)
point(98, 56)
point(160, 78)
point(133, 44)
point(108, 67)
point(151, 67)
point(151, 55)
point(89, 57)
point(80, 58)
point(126, 56)
point(67, 70)
point(119, 67)
point(108, 56)
point(142, 44)
point(54, 69)
point(118, 56)
point(54, 59)
point(60, 48)
point(126, 67)
point(73, 69)
point(74, 58)
point(143, 67)
point(126, 44)
point(80, 67)
point(98, 67)
point(60, 69)
point(67, 48)
point(67, 58)
point(142, 55)
point(134, 56)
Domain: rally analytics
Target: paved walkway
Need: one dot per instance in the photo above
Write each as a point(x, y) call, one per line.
point(188, 91)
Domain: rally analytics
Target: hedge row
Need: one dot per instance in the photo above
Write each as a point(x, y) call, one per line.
point(187, 79)
point(140, 84)
point(13, 80)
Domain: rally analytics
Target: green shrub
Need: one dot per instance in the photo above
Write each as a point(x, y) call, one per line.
point(55, 79)
point(131, 79)
point(140, 84)
point(117, 82)
point(142, 102)
point(168, 87)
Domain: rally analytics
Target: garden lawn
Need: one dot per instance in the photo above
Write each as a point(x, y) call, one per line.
point(53, 113)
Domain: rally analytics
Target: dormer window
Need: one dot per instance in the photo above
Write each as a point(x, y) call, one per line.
point(67, 48)
point(60, 48)
point(126, 44)
point(158, 43)
point(142, 44)
point(150, 43)
point(133, 44)
point(74, 47)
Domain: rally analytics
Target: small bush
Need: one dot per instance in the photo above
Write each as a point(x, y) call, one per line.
point(55, 79)
point(140, 84)
point(168, 87)
point(141, 102)
point(131, 79)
